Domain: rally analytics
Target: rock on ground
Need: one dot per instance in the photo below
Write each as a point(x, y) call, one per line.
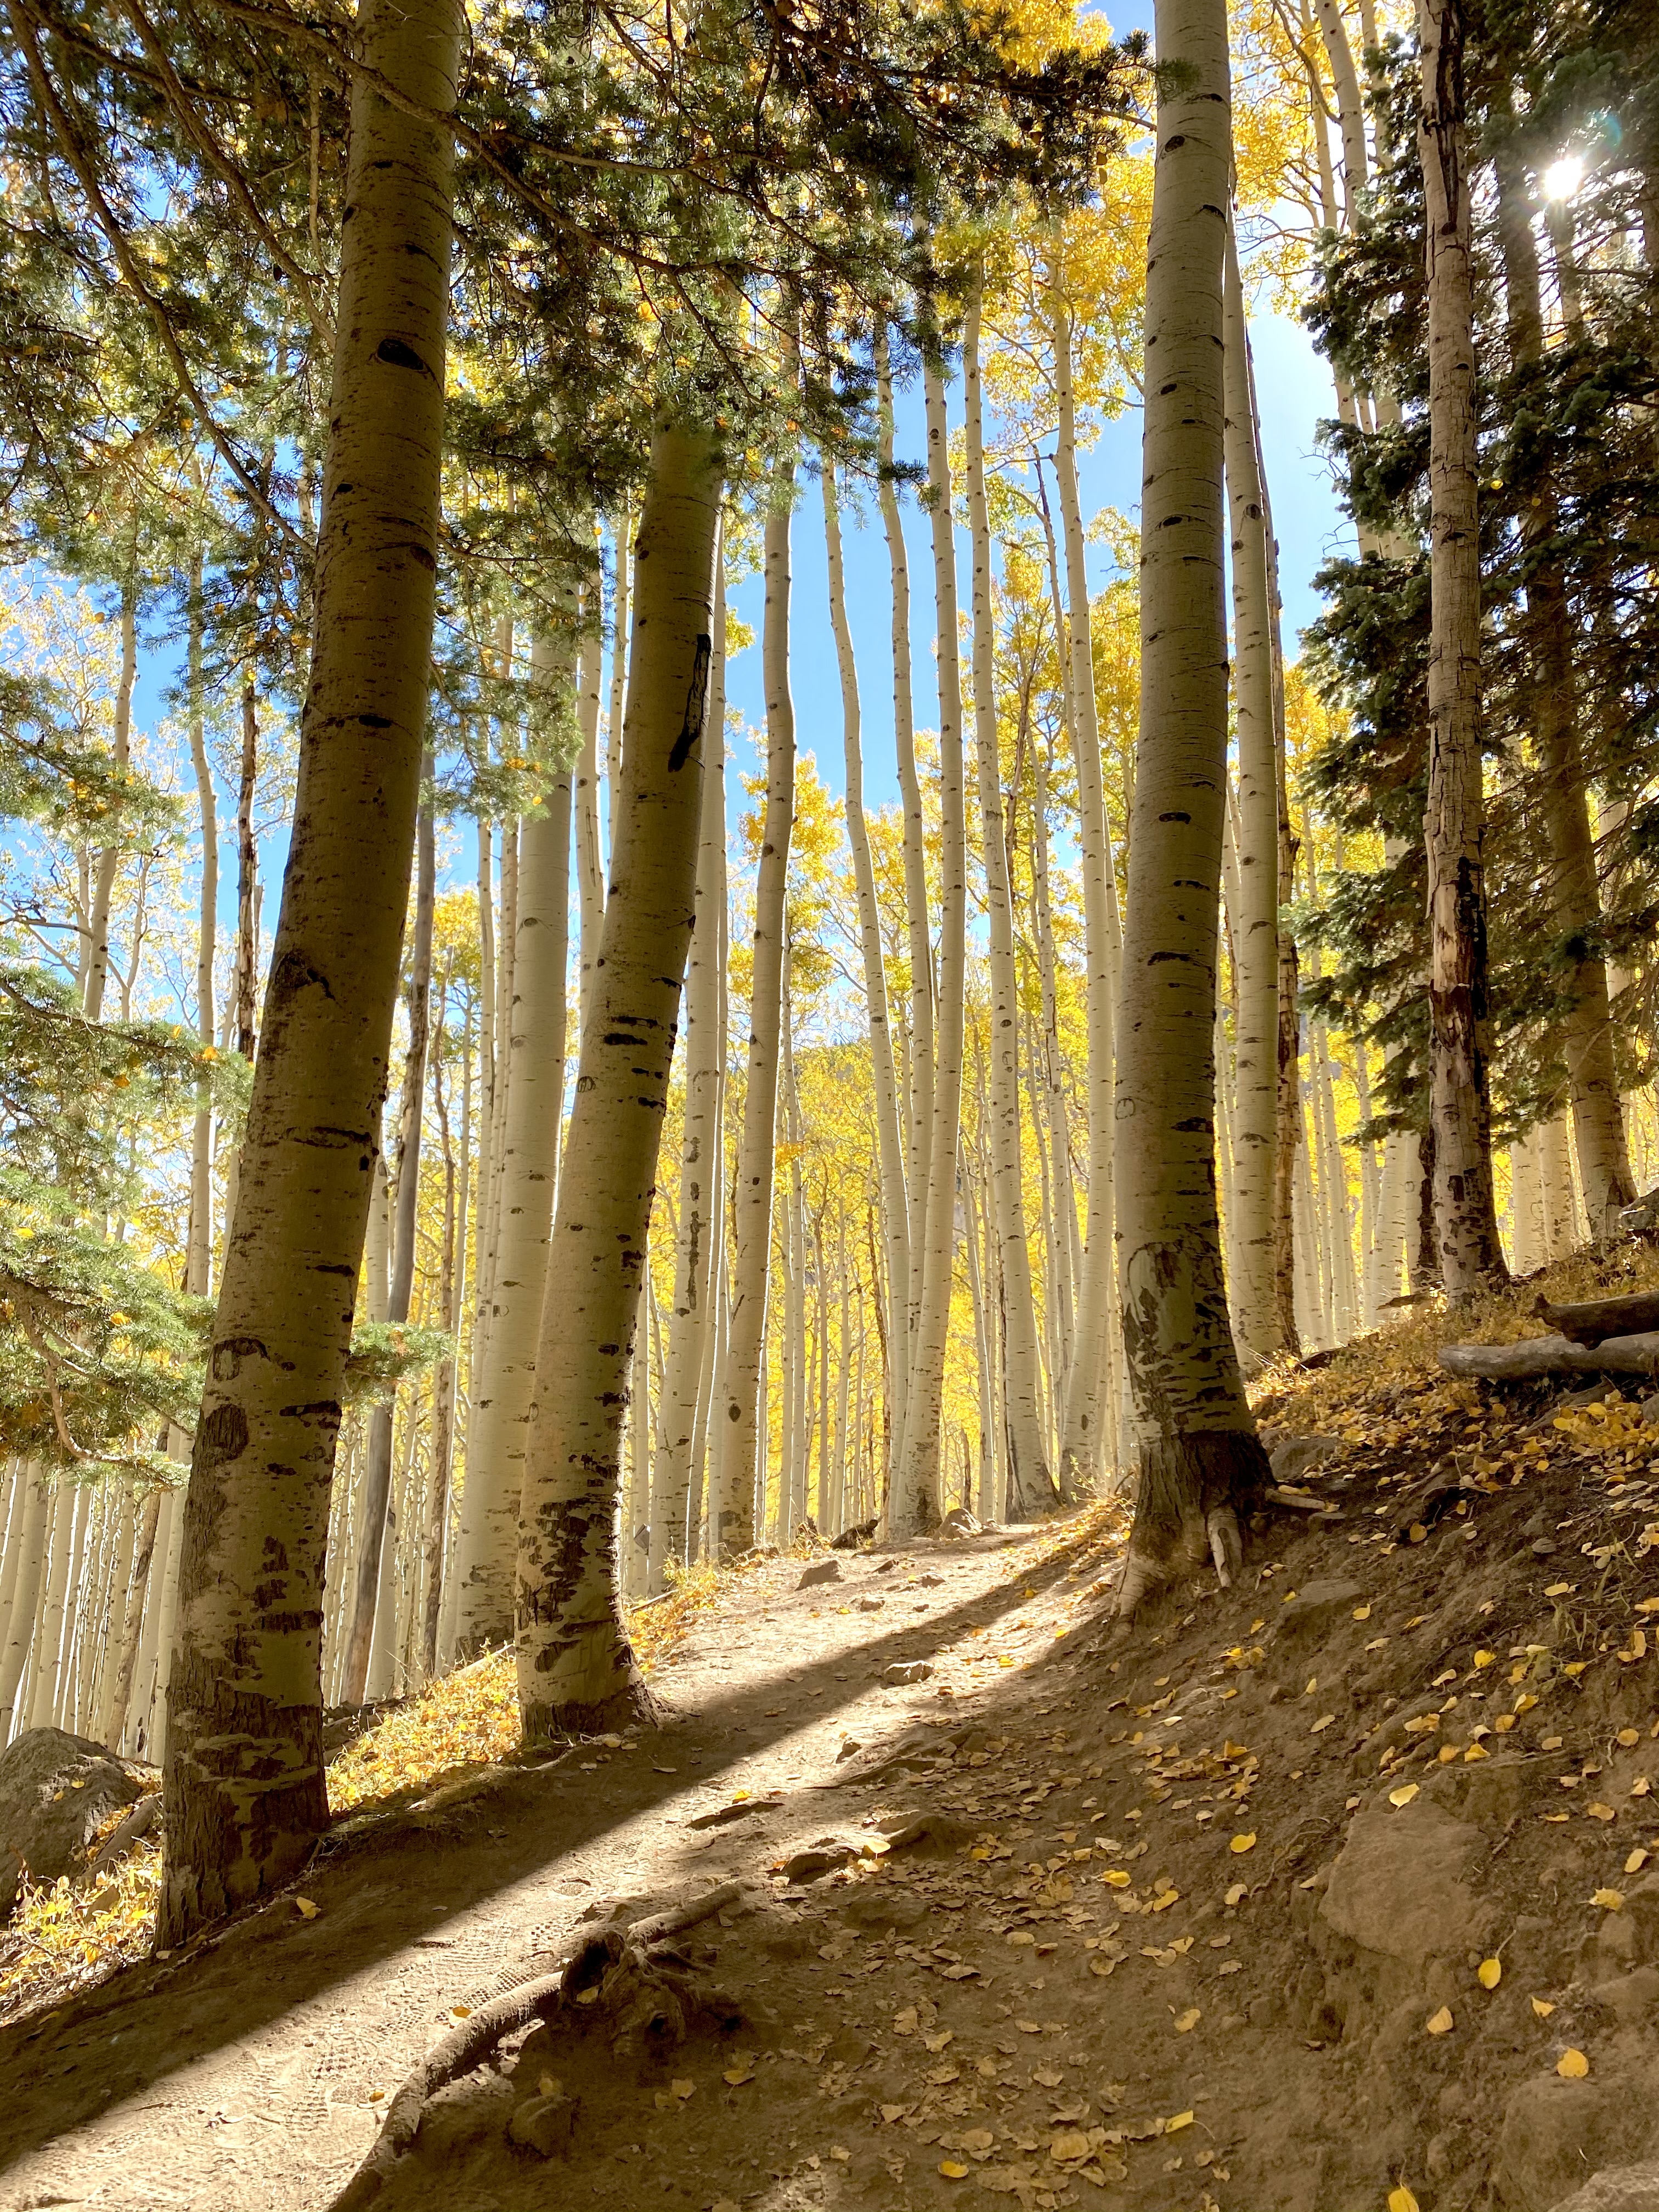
point(56, 1791)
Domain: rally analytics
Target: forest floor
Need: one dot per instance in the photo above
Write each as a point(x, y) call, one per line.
point(1327, 1892)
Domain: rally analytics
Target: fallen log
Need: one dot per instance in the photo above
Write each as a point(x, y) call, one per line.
point(1552, 1355)
point(1603, 1317)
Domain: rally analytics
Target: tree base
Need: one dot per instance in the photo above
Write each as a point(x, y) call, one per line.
point(1195, 1495)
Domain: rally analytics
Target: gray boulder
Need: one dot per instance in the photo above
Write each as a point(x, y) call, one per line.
point(1617, 2189)
point(56, 1791)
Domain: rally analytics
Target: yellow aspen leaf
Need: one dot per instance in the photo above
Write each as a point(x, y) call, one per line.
point(1543, 2006)
point(1439, 2023)
point(1485, 1658)
point(1180, 2120)
point(1489, 1974)
point(1572, 2065)
point(1187, 2020)
point(952, 2169)
point(1417, 1532)
point(1473, 1752)
point(1401, 2200)
point(1244, 1842)
point(1608, 1899)
point(1065, 2149)
point(1162, 1904)
point(306, 1910)
point(1404, 1794)
point(1638, 1859)
point(1116, 1878)
point(1600, 1813)
point(1361, 1613)
point(1629, 1737)
point(684, 2089)
point(737, 2075)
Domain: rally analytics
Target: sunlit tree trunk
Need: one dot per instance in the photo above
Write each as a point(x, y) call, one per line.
point(31, 1551)
point(890, 1138)
point(575, 1668)
point(1199, 1459)
point(1031, 1488)
point(743, 1383)
point(907, 1297)
point(1255, 1099)
point(590, 863)
point(245, 1796)
point(199, 1257)
point(532, 1071)
point(454, 1291)
point(371, 1594)
point(1598, 1122)
point(673, 1531)
point(913, 1498)
point(109, 861)
point(1082, 1428)
point(1454, 826)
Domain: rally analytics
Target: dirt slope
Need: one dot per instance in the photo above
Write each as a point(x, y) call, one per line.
point(1204, 1920)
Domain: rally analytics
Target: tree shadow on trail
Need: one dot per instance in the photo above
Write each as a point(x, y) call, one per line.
point(389, 1889)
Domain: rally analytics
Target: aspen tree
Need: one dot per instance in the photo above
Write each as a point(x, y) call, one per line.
point(1087, 1385)
point(1199, 1459)
point(890, 1139)
point(673, 1526)
point(370, 1596)
point(244, 1778)
point(1030, 1485)
point(912, 1503)
point(1255, 1101)
point(1465, 1226)
point(590, 865)
point(918, 932)
point(1598, 1124)
point(575, 1668)
point(742, 1381)
point(534, 1076)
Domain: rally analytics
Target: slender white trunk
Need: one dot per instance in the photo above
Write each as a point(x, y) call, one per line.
point(920, 1121)
point(1081, 1429)
point(1031, 1488)
point(673, 1528)
point(1255, 943)
point(49, 1629)
point(890, 1141)
point(30, 1546)
point(743, 1381)
point(532, 1073)
point(912, 1503)
point(585, 807)
point(575, 1668)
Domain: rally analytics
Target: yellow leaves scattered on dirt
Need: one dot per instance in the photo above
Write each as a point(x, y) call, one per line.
point(1489, 1974)
point(1439, 2023)
point(1403, 1794)
point(1610, 1900)
point(1179, 2120)
point(1237, 1894)
point(1638, 1859)
point(1543, 2006)
point(1401, 2200)
point(1185, 2022)
point(1572, 2065)
point(305, 1908)
point(952, 2169)
point(1243, 1843)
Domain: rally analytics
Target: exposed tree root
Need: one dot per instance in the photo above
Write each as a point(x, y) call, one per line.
point(587, 1965)
point(1196, 1490)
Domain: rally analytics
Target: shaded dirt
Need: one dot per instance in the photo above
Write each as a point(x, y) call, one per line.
point(1197, 1925)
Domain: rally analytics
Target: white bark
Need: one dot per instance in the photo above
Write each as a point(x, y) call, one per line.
point(914, 1495)
point(1031, 1488)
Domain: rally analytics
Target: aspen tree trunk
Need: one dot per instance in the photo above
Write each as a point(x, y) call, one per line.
point(368, 1599)
point(673, 1524)
point(920, 1121)
point(1349, 107)
point(1555, 1176)
point(1466, 1226)
point(913, 1504)
point(576, 1670)
point(115, 1726)
point(454, 1305)
point(49, 1628)
point(890, 1138)
point(743, 1382)
point(246, 976)
point(31, 1545)
point(1598, 1122)
point(623, 536)
point(590, 865)
point(1031, 1488)
point(506, 947)
point(1199, 1459)
point(1068, 1255)
point(199, 1257)
point(109, 861)
point(245, 1796)
point(1082, 1432)
point(987, 1488)
point(532, 1074)
point(1255, 1100)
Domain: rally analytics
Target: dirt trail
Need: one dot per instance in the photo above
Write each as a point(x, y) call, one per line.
point(1332, 1885)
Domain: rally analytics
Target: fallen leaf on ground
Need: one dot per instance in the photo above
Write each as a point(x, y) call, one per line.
point(1439, 2023)
point(1399, 2200)
point(1186, 2021)
point(1572, 2065)
point(1489, 1974)
point(1404, 1794)
point(308, 1910)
